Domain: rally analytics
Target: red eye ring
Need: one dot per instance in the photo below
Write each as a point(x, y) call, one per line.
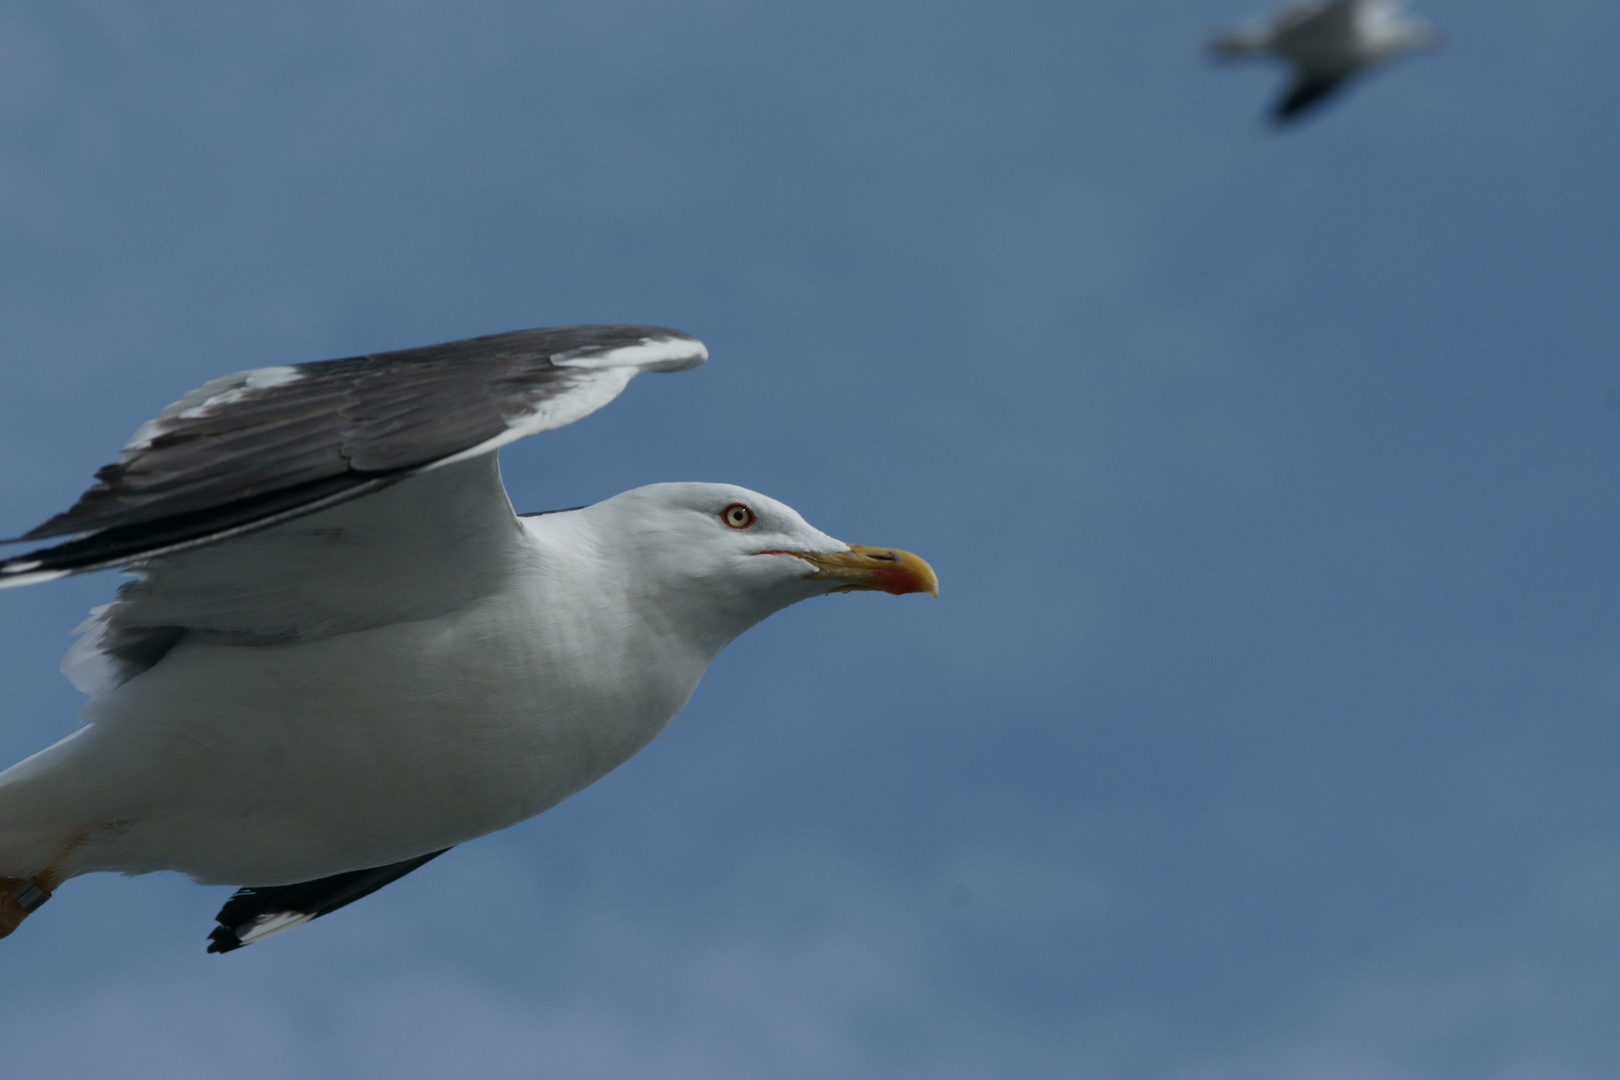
point(737, 516)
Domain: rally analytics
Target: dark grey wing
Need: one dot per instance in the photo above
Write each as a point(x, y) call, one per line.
point(261, 447)
point(253, 914)
point(1304, 94)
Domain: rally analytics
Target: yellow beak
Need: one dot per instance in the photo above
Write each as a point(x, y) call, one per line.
point(885, 569)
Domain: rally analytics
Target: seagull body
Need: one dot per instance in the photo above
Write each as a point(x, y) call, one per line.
point(1326, 43)
point(310, 708)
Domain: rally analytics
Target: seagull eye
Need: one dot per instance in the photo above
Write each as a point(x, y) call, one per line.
point(737, 516)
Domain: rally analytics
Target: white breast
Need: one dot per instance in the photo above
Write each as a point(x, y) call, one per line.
point(307, 759)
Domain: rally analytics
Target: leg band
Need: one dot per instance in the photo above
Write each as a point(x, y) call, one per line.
point(31, 897)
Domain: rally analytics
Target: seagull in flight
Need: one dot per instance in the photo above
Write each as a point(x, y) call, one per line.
point(1326, 43)
point(342, 653)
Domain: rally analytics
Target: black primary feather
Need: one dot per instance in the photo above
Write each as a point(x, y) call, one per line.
point(1304, 95)
point(250, 906)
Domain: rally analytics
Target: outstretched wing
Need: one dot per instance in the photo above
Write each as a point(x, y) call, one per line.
point(253, 914)
point(250, 450)
point(1304, 94)
point(290, 504)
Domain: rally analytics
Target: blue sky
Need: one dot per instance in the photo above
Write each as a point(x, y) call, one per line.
point(1266, 725)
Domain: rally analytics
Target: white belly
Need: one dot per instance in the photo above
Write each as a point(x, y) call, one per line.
point(266, 765)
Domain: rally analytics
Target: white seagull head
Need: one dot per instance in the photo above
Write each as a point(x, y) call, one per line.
point(721, 557)
point(1385, 29)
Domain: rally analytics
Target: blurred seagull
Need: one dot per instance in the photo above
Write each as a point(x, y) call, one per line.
point(1327, 43)
point(343, 653)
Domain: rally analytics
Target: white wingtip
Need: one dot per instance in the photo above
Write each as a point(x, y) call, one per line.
point(24, 574)
point(649, 354)
point(269, 925)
